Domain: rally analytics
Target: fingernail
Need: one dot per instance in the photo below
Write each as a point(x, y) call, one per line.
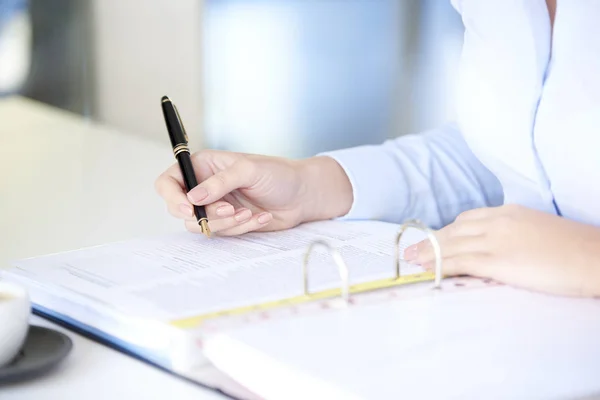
point(187, 210)
point(197, 194)
point(243, 215)
point(264, 218)
point(411, 254)
point(225, 211)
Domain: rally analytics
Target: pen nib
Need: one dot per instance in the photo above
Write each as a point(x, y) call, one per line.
point(204, 227)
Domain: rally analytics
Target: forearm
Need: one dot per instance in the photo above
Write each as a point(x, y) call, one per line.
point(432, 176)
point(589, 259)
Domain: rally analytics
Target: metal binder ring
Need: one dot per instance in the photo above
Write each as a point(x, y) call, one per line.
point(337, 258)
point(434, 242)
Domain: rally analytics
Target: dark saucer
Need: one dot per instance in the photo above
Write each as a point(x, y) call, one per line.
point(43, 349)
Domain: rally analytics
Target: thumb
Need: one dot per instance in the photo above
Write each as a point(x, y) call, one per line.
point(238, 175)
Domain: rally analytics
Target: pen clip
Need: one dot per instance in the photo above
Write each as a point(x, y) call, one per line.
point(181, 123)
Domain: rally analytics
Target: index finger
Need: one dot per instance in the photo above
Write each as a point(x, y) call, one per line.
point(239, 174)
point(453, 238)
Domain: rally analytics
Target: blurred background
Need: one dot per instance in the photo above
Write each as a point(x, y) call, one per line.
point(281, 77)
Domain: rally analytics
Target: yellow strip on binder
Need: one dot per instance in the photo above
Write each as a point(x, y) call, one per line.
point(195, 321)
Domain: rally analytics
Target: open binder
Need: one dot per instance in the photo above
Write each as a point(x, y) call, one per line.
point(176, 344)
point(344, 291)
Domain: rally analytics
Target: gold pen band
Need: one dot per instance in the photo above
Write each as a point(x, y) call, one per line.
point(204, 226)
point(180, 148)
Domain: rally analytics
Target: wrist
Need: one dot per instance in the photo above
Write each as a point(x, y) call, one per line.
point(326, 190)
point(591, 275)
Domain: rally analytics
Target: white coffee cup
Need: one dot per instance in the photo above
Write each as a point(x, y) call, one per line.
point(15, 309)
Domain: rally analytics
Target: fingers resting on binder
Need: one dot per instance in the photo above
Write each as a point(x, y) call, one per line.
point(505, 244)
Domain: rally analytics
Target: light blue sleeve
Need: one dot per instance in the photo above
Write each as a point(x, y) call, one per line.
point(432, 176)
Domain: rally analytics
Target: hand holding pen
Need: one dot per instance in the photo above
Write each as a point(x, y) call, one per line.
point(239, 193)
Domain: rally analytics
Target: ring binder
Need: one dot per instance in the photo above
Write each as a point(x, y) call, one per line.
point(338, 259)
point(434, 242)
point(346, 288)
point(343, 268)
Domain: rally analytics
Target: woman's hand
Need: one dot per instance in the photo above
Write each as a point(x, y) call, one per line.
point(520, 247)
point(244, 192)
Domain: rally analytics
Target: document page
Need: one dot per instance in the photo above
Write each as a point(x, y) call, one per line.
point(183, 275)
point(494, 343)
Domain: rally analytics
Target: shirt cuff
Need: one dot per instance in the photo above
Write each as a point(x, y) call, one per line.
point(377, 191)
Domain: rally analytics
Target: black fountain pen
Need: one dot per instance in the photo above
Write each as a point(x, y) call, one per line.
point(179, 141)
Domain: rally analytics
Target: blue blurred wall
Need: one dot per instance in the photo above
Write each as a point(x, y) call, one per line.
point(293, 78)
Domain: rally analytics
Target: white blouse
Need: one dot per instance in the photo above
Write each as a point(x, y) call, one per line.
point(528, 125)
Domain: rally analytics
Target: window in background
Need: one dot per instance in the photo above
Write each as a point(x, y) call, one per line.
point(294, 78)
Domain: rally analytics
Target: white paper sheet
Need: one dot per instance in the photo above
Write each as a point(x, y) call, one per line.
point(186, 274)
point(492, 343)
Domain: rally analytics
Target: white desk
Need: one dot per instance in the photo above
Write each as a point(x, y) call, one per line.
point(66, 183)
